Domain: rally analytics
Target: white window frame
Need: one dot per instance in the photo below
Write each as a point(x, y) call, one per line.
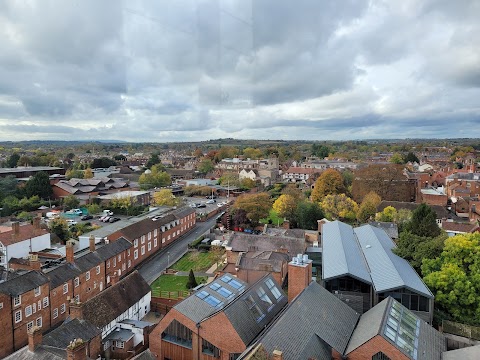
point(114, 261)
point(143, 239)
point(28, 311)
point(18, 316)
point(77, 282)
point(55, 313)
point(87, 275)
point(98, 269)
point(17, 300)
point(45, 302)
point(119, 257)
point(65, 288)
point(38, 321)
point(108, 264)
point(34, 308)
point(135, 243)
point(149, 246)
point(63, 308)
point(143, 250)
point(149, 235)
point(135, 254)
point(37, 291)
point(155, 242)
point(119, 344)
point(39, 305)
point(29, 325)
point(155, 232)
point(1, 305)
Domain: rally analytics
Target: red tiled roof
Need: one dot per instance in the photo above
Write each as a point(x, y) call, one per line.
point(25, 232)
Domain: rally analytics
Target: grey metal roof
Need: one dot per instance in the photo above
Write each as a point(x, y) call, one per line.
point(468, 353)
point(120, 335)
point(113, 248)
point(387, 270)
point(137, 323)
point(23, 283)
point(317, 312)
point(69, 330)
point(61, 274)
point(341, 253)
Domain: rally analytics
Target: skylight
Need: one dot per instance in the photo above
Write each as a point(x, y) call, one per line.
point(233, 283)
point(403, 328)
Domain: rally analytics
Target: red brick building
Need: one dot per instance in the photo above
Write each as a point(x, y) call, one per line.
point(24, 303)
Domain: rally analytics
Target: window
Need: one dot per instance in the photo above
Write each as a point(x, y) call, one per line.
point(150, 235)
point(155, 232)
point(155, 242)
point(30, 326)
point(98, 269)
point(37, 291)
point(178, 333)
point(380, 356)
point(163, 240)
point(264, 297)
point(143, 239)
point(17, 300)
point(65, 288)
point(77, 298)
point(55, 313)
point(234, 356)
point(28, 311)
point(39, 305)
point(18, 316)
point(76, 282)
point(108, 264)
point(271, 286)
point(38, 322)
point(149, 246)
point(135, 254)
point(143, 250)
point(1, 305)
point(106, 345)
point(210, 349)
point(34, 309)
point(254, 308)
point(120, 258)
point(114, 261)
point(62, 308)
point(119, 344)
point(135, 242)
point(129, 263)
point(45, 302)
point(87, 275)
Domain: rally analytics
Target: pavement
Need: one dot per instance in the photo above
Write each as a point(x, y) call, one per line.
point(153, 267)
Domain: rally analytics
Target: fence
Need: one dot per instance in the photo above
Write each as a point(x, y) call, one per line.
point(468, 331)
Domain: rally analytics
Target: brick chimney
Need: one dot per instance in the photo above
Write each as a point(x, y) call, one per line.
point(299, 275)
point(34, 338)
point(15, 229)
point(320, 225)
point(76, 310)
point(36, 223)
point(77, 350)
point(35, 264)
point(277, 355)
point(286, 224)
point(91, 244)
point(69, 252)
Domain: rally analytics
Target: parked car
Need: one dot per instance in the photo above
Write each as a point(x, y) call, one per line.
point(211, 201)
point(108, 212)
point(105, 219)
point(201, 206)
point(76, 211)
point(113, 219)
point(86, 217)
point(71, 222)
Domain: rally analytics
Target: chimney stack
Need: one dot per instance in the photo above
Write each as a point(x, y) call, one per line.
point(77, 350)
point(69, 252)
point(91, 240)
point(299, 275)
point(16, 228)
point(36, 223)
point(277, 355)
point(286, 224)
point(34, 338)
point(76, 310)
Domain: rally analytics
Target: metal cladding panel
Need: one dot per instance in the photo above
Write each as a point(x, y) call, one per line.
point(341, 253)
point(388, 271)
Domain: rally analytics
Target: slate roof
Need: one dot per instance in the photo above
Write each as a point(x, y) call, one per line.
point(113, 248)
point(389, 227)
point(61, 274)
point(88, 261)
point(246, 242)
point(314, 321)
point(468, 353)
point(69, 330)
point(459, 227)
point(431, 343)
point(387, 270)
point(115, 300)
point(41, 353)
point(183, 212)
point(256, 260)
point(341, 254)
point(23, 283)
point(146, 355)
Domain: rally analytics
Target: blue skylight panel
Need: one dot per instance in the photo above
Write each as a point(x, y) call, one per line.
point(202, 294)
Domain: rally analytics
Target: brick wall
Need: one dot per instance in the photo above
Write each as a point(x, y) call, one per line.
point(59, 298)
point(373, 346)
point(91, 287)
point(6, 324)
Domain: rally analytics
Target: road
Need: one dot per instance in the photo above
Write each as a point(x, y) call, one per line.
point(153, 267)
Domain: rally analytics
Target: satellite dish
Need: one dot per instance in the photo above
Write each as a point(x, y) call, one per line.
point(454, 199)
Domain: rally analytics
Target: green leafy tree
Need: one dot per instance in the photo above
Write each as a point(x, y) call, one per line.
point(397, 159)
point(192, 282)
point(252, 153)
point(306, 215)
point(339, 207)
point(368, 207)
point(39, 185)
point(257, 206)
point(423, 222)
point(454, 278)
point(410, 157)
point(74, 174)
point(321, 151)
point(12, 160)
point(206, 166)
point(154, 160)
point(330, 182)
point(71, 202)
point(103, 162)
point(155, 178)
point(230, 179)
point(8, 186)
point(59, 227)
point(414, 248)
point(247, 184)
point(94, 208)
point(88, 173)
point(387, 215)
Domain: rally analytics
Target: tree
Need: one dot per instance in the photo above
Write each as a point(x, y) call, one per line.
point(252, 153)
point(239, 217)
point(192, 282)
point(321, 151)
point(423, 222)
point(229, 178)
point(88, 173)
point(103, 162)
point(387, 215)
point(368, 207)
point(198, 153)
point(247, 183)
point(217, 252)
point(71, 201)
point(306, 215)
point(74, 174)
point(59, 227)
point(397, 159)
point(39, 185)
point(8, 186)
point(154, 160)
point(164, 197)
point(123, 203)
point(285, 206)
point(206, 166)
point(154, 178)
point(339, 206)
point(454, 278)
point(257, 206)
point(414, 248)
point(410, 157)
point(329, 183)
point(13, 160)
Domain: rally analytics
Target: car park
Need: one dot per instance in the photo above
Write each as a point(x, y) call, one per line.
point(107, 212)
point(86, 217)
point(71, 222)
point(113, 219)
point(201, 205)
point(211, 201)
point(105, 219)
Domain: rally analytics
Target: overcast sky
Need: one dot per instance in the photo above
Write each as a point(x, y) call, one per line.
point(190, 70)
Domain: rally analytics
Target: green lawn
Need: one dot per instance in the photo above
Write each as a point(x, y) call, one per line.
point(276, 220)
point(198, 261)
point(172, 283)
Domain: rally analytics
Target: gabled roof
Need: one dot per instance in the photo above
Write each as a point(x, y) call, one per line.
point(61, 274)
point(341, 253)
point(245, 242)
point(87, 261)
point(315, 320)
point(113, 248)
point(69, 330)
point(23, 283)
point(429, 343)
point(26, 232)
point(115, 300)
point(387, 270)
